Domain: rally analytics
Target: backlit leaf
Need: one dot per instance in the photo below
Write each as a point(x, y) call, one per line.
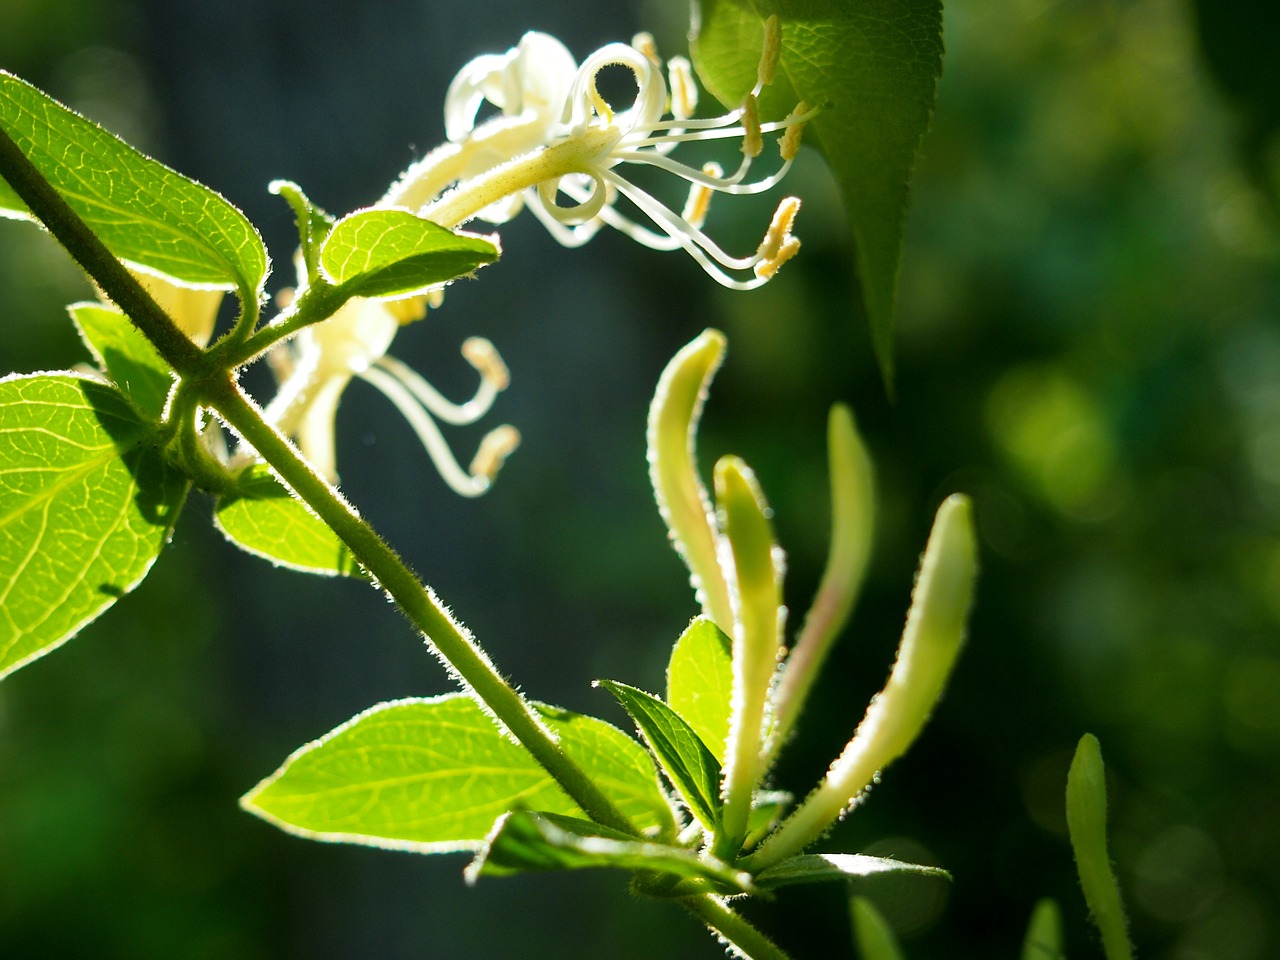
point(125, 355)
point(700, 682)
point(525, 841)
point(432, 775)
point(393, 253)
point(873, 66)
point(685, 758)
point(262, 517)
point(87, 501)
point(144, 212)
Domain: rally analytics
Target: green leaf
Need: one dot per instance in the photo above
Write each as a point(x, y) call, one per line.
point(313, 223)
point(125, 355)
point(524, 841)
point(872, 933)
point(86, 503)
point(822, 867)
point(767, 808)
point(264, 518)
point(393, 253)
point(432, 775)
point(700, 682)
point(1087, 825)
point(1044, 933)
point(685, 758)
point(145, 213)
point(873, 66)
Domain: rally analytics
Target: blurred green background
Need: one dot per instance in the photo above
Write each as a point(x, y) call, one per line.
point(1089, 345)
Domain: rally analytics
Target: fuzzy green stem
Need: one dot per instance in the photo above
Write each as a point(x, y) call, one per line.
point(97, 261)
point(216, 388)
point(452, 642)
point(737, 932)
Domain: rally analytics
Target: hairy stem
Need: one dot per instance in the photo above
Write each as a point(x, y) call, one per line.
point(97, 261)
point(215, 386)
point(741, 936)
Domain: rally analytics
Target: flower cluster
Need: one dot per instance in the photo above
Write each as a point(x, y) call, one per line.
point(558, 147)
point(317, 365)
point(556, 138)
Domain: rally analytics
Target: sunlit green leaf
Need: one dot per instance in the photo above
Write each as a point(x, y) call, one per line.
point(265, 519)
point(822, 867)
point(685, 758)
point(392, 253)
point(526, 841)
point(432, 775)
point(872, 933)
point(125, 355)
point(873, 66)
point(700, 682)
point(86, 503)
point(144, 212)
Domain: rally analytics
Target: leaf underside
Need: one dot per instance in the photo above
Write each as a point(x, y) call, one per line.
point(144, 212)
point(87, 501)
point(873, 66)
point(432, 775)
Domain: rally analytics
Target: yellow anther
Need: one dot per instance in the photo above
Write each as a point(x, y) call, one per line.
point(435, 298)
point(498, 444)
point(789, 143)
point(753, 141)
point(684, 92)
point(771, 52)
point(779, 229)
point(483, 355)
point(695, 208)
point(407, 310)
point(284, 297)
point(766, 269)
point(645, 43)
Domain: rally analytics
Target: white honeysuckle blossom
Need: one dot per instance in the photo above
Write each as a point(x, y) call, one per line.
point(555, 135)
point(318, 364)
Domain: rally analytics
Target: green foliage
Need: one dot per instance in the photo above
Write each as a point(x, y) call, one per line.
point(1087, 822)
point(700, 682)
point(873, 67)
point(312, 222)
point(260, 515)
point(87, 501)
point(125, 356)
point(693, 771)
point(524, 841)
point(141, 210)
point(393, 253)
point(825, 867)
point(432, 775)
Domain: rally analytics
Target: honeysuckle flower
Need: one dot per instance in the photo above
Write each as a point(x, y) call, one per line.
point(556, 137)
point(319, 363)
point(194, 309)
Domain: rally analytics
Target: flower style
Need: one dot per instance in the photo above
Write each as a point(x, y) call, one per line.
point(555, 135)
point(321, 361)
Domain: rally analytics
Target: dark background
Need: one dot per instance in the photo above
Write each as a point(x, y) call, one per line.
point(1089, 345)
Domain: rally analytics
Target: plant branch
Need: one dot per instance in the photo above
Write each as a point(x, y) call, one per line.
point(215, 386)
point(449, 639)
point(745, 939)
point(48, 206)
